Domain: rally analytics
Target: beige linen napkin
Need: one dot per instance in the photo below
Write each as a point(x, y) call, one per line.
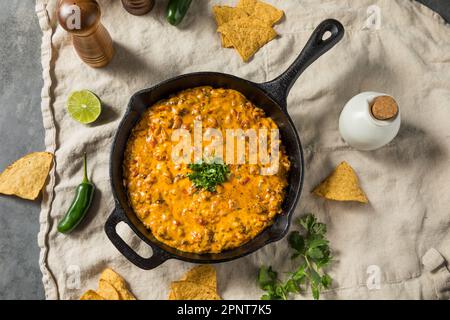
point(394, 46)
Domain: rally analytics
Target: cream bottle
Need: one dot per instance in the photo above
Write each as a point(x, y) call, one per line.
point(370, 121)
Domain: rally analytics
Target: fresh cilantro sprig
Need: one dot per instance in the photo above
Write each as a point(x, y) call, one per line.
point(312, 251)
point(208, 175)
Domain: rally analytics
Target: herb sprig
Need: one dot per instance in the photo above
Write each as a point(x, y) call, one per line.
point(312, 250)
point(208, 175)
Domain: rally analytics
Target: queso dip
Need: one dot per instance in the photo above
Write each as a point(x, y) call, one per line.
point(168, 203)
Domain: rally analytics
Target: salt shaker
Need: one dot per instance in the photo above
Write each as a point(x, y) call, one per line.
point(370, 120)
point(91, 40)
point(138, 7)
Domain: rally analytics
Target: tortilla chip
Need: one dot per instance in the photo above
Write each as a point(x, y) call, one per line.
point(107, 291)
point(262, 11)
point(171, 296)
point(247, 35)
point(111, 286)
point(342, 185)
point(248, 6)
point(200, 283)
point(248, 26)
point(225, 42)
point(186, 290)
point(26, 177)
point(91, 295)
point(119, 284)
point(223, 14)
point(203, 275)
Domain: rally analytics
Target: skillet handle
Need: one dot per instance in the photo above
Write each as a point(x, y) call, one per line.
point(158, 256)
point(316, 46)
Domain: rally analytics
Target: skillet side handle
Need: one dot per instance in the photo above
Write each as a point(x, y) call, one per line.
point(316, 46)
point(158, 257)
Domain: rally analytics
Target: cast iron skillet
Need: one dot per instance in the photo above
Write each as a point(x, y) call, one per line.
point(271, 97)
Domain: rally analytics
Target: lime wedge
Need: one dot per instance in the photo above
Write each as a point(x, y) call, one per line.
point(84, 106)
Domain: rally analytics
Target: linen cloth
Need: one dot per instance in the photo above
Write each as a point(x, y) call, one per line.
point(397, 247)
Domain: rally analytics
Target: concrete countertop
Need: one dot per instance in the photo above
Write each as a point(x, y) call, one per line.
point(21, 132)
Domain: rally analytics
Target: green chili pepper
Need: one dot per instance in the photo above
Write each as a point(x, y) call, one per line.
point(176, 10)
point(80, 205)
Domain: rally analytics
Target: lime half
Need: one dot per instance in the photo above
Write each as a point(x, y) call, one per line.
point(84, 106)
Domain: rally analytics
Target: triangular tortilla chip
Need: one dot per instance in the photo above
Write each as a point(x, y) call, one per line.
point(118, 283)
point(223, 14)
point(262, 11)
point(91, 295)
point(171, 296)
point(204, 275)
point(249, 4)
point(186, 290)
point(26, 177)
point(342, 185)
point(107, 291)
point(200, 283)
point(225, 42)
point(247, 36)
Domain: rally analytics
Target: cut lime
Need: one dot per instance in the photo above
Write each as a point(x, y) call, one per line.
point(84, 106)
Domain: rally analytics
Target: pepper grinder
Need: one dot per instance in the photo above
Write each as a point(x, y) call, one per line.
point(92, 42)
point(138, 7)
point(370, 120)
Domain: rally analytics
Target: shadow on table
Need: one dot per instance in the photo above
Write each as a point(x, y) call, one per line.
point(108, 115)
point(130, 64)
point(411, 146)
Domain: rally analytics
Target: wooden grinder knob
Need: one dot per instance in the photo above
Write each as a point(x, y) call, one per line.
point(138, 7)
point(92, 42)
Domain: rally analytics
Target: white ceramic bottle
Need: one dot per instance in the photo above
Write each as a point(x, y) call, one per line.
point(369, 121)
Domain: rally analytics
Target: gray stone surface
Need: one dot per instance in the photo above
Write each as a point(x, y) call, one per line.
point(441, 6)
point(21, 132)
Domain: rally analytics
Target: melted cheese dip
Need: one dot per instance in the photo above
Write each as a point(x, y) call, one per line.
point(166, 201)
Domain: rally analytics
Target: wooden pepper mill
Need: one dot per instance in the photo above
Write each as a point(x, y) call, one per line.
point(92, 42)
point(138, 7)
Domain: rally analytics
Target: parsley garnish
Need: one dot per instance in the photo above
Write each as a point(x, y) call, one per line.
point(208, 175)
point(312, 250)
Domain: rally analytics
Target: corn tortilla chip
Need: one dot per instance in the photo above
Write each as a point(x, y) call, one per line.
point(200, 283)
point(204, 275)
point(186, 290)
point(225, 42)
point(223, 14)
point(247, 36)
point(26, 177)
point(91, 295)
point(119, 284)
point(342, 185)
point(262, 11)
point(107, 291)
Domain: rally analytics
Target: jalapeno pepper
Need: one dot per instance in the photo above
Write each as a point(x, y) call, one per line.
point(176, 10)
point(80, 204)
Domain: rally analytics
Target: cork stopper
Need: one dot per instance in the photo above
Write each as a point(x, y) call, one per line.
point(384, 108)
